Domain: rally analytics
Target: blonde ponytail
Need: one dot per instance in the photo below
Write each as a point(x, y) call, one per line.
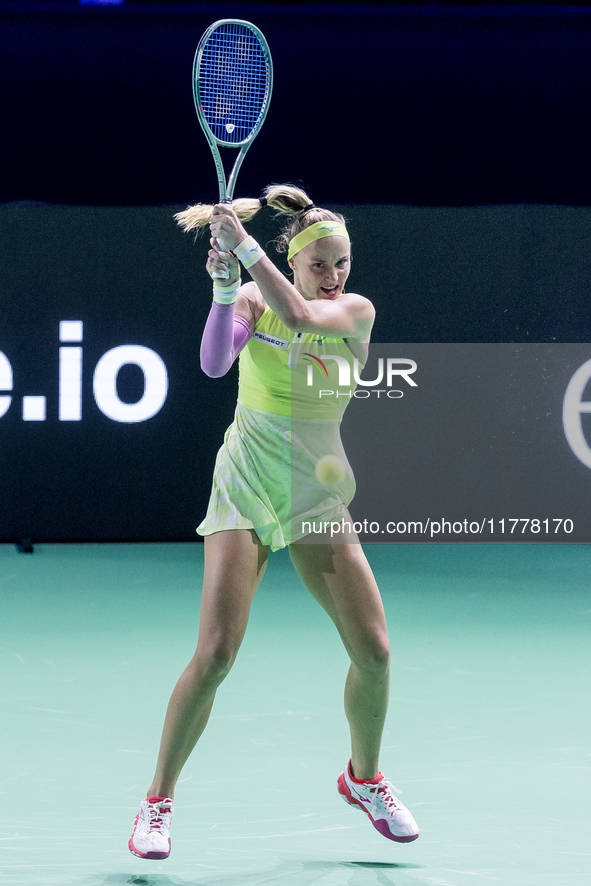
point(286, 199)
point(199, 215)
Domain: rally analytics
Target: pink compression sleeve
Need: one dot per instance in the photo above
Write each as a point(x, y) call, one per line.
point(224, 336)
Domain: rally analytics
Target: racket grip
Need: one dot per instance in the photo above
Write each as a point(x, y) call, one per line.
point(222, 275)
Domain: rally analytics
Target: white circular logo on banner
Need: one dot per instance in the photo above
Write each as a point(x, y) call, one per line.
point(572, 408)
point(155, 383)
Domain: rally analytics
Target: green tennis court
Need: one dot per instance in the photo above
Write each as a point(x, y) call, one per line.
point(488, 732)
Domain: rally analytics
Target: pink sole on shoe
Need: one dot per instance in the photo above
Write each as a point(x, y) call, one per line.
point(152, 855)
point(382, 827)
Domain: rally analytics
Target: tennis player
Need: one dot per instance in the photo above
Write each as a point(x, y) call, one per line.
point(265, 492)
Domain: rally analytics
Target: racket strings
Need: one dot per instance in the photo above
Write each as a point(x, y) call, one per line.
point(234, 81)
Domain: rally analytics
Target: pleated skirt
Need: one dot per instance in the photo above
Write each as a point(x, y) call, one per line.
point(264, 478)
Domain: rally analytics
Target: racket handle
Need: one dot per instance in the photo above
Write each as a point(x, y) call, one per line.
point(222, 275)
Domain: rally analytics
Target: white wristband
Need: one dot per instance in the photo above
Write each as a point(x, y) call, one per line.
point(248, 252)
point(225, 295)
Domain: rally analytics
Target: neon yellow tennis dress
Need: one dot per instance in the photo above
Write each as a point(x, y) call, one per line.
point(264, 472)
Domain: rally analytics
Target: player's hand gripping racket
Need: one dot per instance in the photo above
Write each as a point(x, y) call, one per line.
point(232, 82)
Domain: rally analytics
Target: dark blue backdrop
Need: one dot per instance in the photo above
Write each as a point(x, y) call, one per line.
point(375, 103)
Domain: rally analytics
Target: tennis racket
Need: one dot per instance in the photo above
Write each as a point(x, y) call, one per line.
point(232, 83)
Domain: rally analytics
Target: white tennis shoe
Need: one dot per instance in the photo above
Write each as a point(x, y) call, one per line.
point(387, 814)
point(151, 829)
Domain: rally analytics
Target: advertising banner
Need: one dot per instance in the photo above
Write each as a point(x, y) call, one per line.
point(450, 443)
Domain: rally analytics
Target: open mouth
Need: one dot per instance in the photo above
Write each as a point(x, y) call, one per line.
point(330, 293)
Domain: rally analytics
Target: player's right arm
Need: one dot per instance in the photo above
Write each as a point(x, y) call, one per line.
point(228, 326)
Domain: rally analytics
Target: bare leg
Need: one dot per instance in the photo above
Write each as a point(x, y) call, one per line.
point(235, 561)
point(340, 578)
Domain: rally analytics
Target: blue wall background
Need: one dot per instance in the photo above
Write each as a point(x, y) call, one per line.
point(425, 105)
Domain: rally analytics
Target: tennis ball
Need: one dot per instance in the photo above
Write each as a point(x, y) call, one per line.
point(330, 470)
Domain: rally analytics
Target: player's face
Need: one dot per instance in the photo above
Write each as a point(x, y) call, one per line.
point(321, 268)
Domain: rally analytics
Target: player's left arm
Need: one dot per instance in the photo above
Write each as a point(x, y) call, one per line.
point(351, 316)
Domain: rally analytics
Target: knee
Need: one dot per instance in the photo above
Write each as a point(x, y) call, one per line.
point(214, 662)
point(373, 656)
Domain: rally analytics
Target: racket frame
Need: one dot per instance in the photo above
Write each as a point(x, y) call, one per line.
point(226, 186)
